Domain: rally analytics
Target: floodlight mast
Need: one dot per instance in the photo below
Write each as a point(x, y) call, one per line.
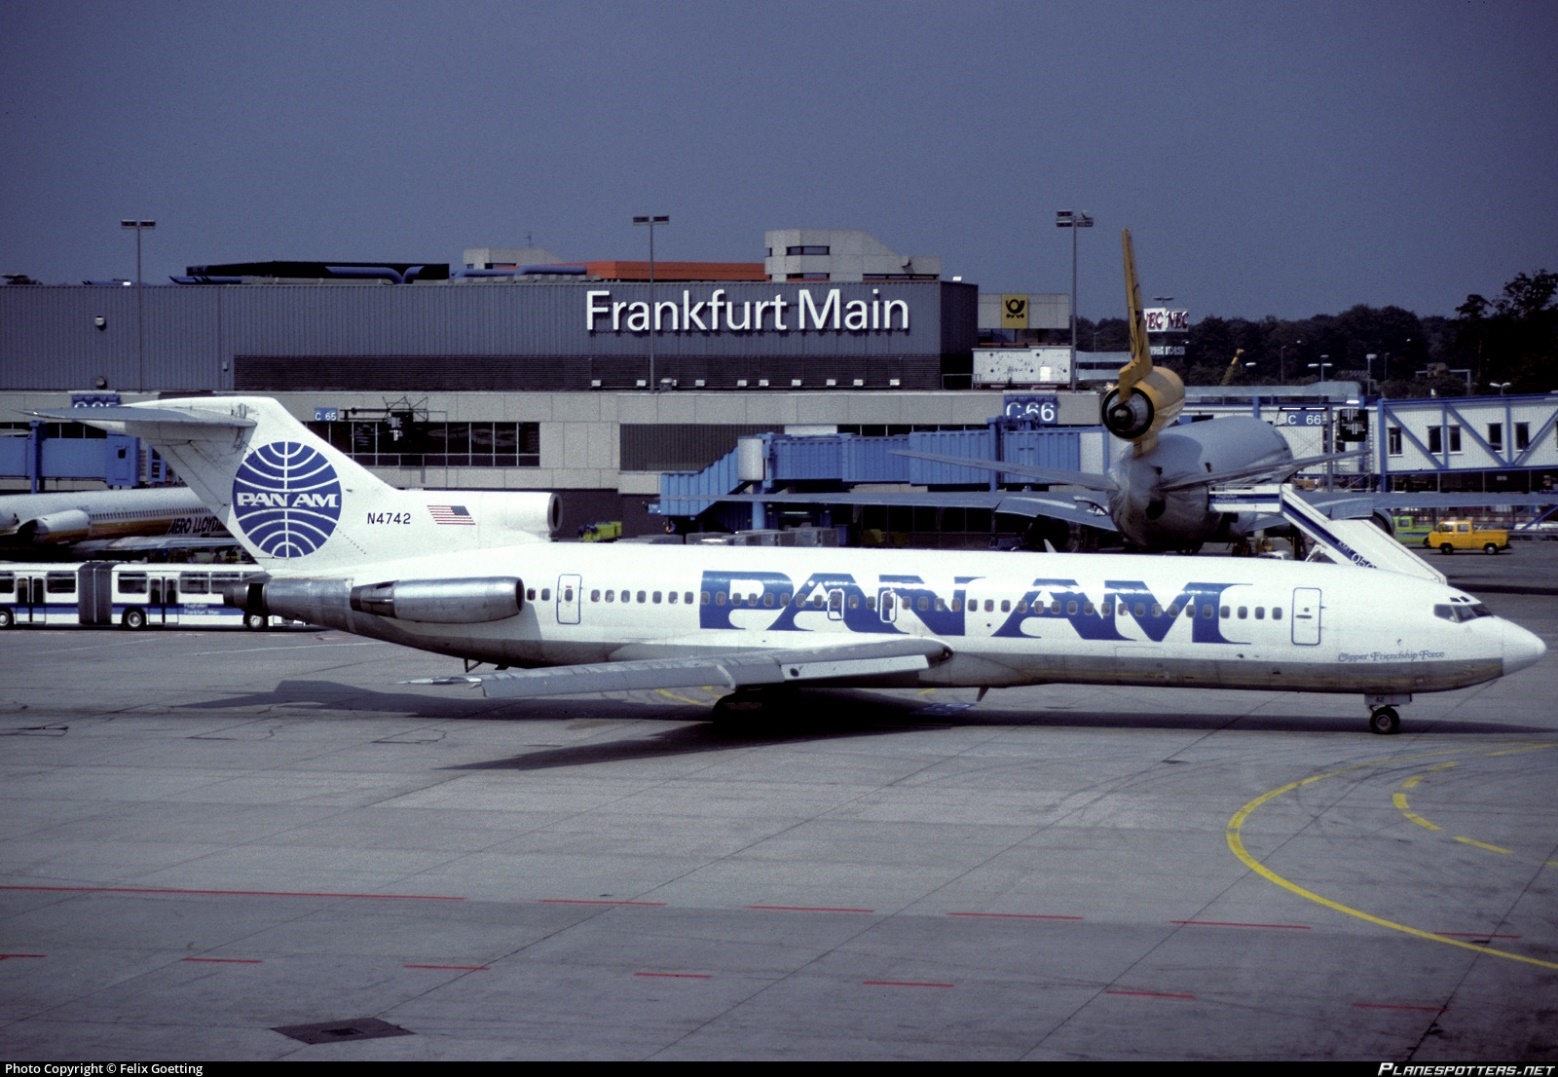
point(651, 222)
point(140, 334)
point(1073, 219)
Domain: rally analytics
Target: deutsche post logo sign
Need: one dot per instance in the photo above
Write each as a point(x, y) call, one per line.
point(1014, 312)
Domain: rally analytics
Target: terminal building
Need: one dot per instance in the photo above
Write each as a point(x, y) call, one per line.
point(519, 370)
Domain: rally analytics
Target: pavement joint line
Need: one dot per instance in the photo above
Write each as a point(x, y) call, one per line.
point(903, 983)
point(1476, 934)
point(1146, 994)
point(451, 968)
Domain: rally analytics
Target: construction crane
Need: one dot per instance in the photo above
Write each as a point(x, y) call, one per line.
point(1233, 364)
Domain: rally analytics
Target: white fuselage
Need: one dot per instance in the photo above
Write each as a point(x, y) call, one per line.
point(75, 516)
point(1153, 518)
point(1008, 618)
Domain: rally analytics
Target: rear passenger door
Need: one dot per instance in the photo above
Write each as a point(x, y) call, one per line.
point(1306, 615)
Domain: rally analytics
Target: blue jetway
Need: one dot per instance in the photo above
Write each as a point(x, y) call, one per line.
point(821, 464)
point(114, 460)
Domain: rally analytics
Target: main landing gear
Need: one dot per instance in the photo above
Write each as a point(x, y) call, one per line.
point(756, 709)
point(1383, 717)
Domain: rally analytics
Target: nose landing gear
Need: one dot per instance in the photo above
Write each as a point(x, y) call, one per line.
point(1383, 717)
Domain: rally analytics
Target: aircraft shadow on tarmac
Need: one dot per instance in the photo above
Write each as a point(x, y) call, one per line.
point(811, 715)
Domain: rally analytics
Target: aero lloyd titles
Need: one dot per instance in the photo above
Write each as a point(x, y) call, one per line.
point(720, 314)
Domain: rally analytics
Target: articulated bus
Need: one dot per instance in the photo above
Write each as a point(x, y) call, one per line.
point(134, 595)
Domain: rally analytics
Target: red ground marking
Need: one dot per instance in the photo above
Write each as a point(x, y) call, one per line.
point(1149, 994)
point(804, 908)
point(584, 901)
point(1396, 1006)
point(453, 968)
point(229, 893)
point(902, 983)
point(677, 975)
point(1473, 935)
point(1234, 923)
point(3, 957)
point(225, 960)
point(1017, 915)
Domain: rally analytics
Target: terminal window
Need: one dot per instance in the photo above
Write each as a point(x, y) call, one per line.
point(405, 442)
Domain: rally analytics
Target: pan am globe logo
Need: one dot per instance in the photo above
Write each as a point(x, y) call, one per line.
point(287, 498)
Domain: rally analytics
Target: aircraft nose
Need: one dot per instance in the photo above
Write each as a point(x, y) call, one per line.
point(1521, 648)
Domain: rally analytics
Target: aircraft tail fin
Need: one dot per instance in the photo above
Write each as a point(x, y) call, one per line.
point(1146, 398)
point(1141, 354)
point(296, 502)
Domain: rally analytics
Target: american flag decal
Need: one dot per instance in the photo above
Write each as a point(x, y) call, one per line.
point(451, 514)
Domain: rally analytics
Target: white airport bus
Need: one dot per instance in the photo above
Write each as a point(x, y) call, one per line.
point(132, 594)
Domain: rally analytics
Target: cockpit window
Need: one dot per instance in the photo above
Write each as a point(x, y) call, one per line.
point(1461, 611)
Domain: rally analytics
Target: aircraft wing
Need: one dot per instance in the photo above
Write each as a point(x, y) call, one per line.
point(219, 541)
point(737, 669)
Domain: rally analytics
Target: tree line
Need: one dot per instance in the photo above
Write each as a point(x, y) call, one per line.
point(1505, 344)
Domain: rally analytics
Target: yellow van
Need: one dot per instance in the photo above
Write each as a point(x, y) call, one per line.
point(1451, 535)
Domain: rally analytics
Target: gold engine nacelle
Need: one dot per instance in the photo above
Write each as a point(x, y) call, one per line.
point(1145, 408)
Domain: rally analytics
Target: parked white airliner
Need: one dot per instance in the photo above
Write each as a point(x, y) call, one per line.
point(92, 521)
point(344, 549)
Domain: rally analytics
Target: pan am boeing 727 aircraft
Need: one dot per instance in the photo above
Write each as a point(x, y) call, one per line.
point(345, 550)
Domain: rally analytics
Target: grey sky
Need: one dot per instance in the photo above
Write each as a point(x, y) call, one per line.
point(1270, 158)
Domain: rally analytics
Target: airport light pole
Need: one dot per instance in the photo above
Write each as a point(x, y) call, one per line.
point(140, 334)
point(650, 222)
point(1073, 219)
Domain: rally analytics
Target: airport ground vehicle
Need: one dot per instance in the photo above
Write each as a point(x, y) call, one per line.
point(132, 594)
point(1451, 535)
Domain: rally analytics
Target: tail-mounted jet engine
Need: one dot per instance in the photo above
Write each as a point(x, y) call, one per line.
point(70, 525)
point(459, 601)
point(448, 602)
point(1145, 407)
point(533, 513)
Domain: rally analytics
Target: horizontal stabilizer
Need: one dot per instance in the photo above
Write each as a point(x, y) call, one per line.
point(1076, 511)
point(127, 413)
point(740, 669)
